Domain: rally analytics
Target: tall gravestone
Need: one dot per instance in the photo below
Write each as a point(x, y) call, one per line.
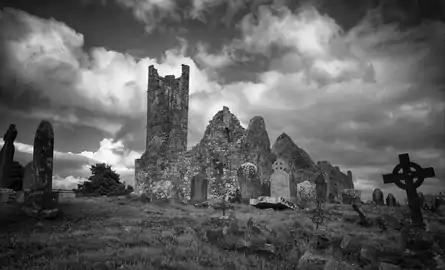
point(7, 157)
point(199, 187)
point(321, 187)
point(249, 182)
point(43, 156)
point(280, 181)
point(40, 199)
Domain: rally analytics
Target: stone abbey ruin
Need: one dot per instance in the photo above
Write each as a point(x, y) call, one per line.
point(244, 157)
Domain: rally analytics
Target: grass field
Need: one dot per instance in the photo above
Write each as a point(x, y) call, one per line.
point(111, 233)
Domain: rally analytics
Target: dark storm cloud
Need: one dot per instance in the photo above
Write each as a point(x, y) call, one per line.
point(75, 164)
point(132, 133)
point(47, 75)
point(349, 84)
point(87, 137)
point(65, 164)
point(170, 14)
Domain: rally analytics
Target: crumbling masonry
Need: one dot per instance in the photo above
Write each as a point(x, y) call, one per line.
point(166, 168)
point(167, 120)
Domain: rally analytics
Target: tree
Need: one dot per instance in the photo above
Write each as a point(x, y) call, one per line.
point(103, 181)
point(102, 170)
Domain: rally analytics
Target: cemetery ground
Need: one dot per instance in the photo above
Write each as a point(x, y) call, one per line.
point(126, 233)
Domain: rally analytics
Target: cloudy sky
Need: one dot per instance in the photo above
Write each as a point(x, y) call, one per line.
point(352, 82)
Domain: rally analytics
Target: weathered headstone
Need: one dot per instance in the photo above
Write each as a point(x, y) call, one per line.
point(7, 156)
point(43, 156)
point(280, 180)
point(307, 192)
point(40, 200)
point(409, 176)
point(249, 182)
point(321, 187)
point(199, 187)
point(429, 202)
point(391, 200)
point(265, 187)
point(378, 197)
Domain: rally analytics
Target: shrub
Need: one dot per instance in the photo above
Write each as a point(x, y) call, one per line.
point(103, 182)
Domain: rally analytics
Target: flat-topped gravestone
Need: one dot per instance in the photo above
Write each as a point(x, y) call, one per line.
point(280, 185)
point(409, 176)
point(280, 180)
point(7, 157)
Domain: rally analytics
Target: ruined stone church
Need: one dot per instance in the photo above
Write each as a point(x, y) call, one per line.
point(166, 167)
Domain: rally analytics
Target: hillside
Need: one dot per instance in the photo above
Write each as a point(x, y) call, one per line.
point(124, 233)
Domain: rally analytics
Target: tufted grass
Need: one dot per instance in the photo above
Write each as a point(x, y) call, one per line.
point(105, 233)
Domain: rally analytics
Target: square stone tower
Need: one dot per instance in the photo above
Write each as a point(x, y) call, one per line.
point(167, 110)
point(167, 124)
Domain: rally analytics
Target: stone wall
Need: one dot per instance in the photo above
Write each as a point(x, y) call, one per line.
point(337, 180)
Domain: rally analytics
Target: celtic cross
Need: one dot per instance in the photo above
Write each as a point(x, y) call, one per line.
point(409, 176)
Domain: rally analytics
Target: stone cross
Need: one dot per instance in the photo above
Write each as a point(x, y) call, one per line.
point(318, 219)
point(409, 176)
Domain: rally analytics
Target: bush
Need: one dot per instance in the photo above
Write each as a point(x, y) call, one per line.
point(103, 182)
